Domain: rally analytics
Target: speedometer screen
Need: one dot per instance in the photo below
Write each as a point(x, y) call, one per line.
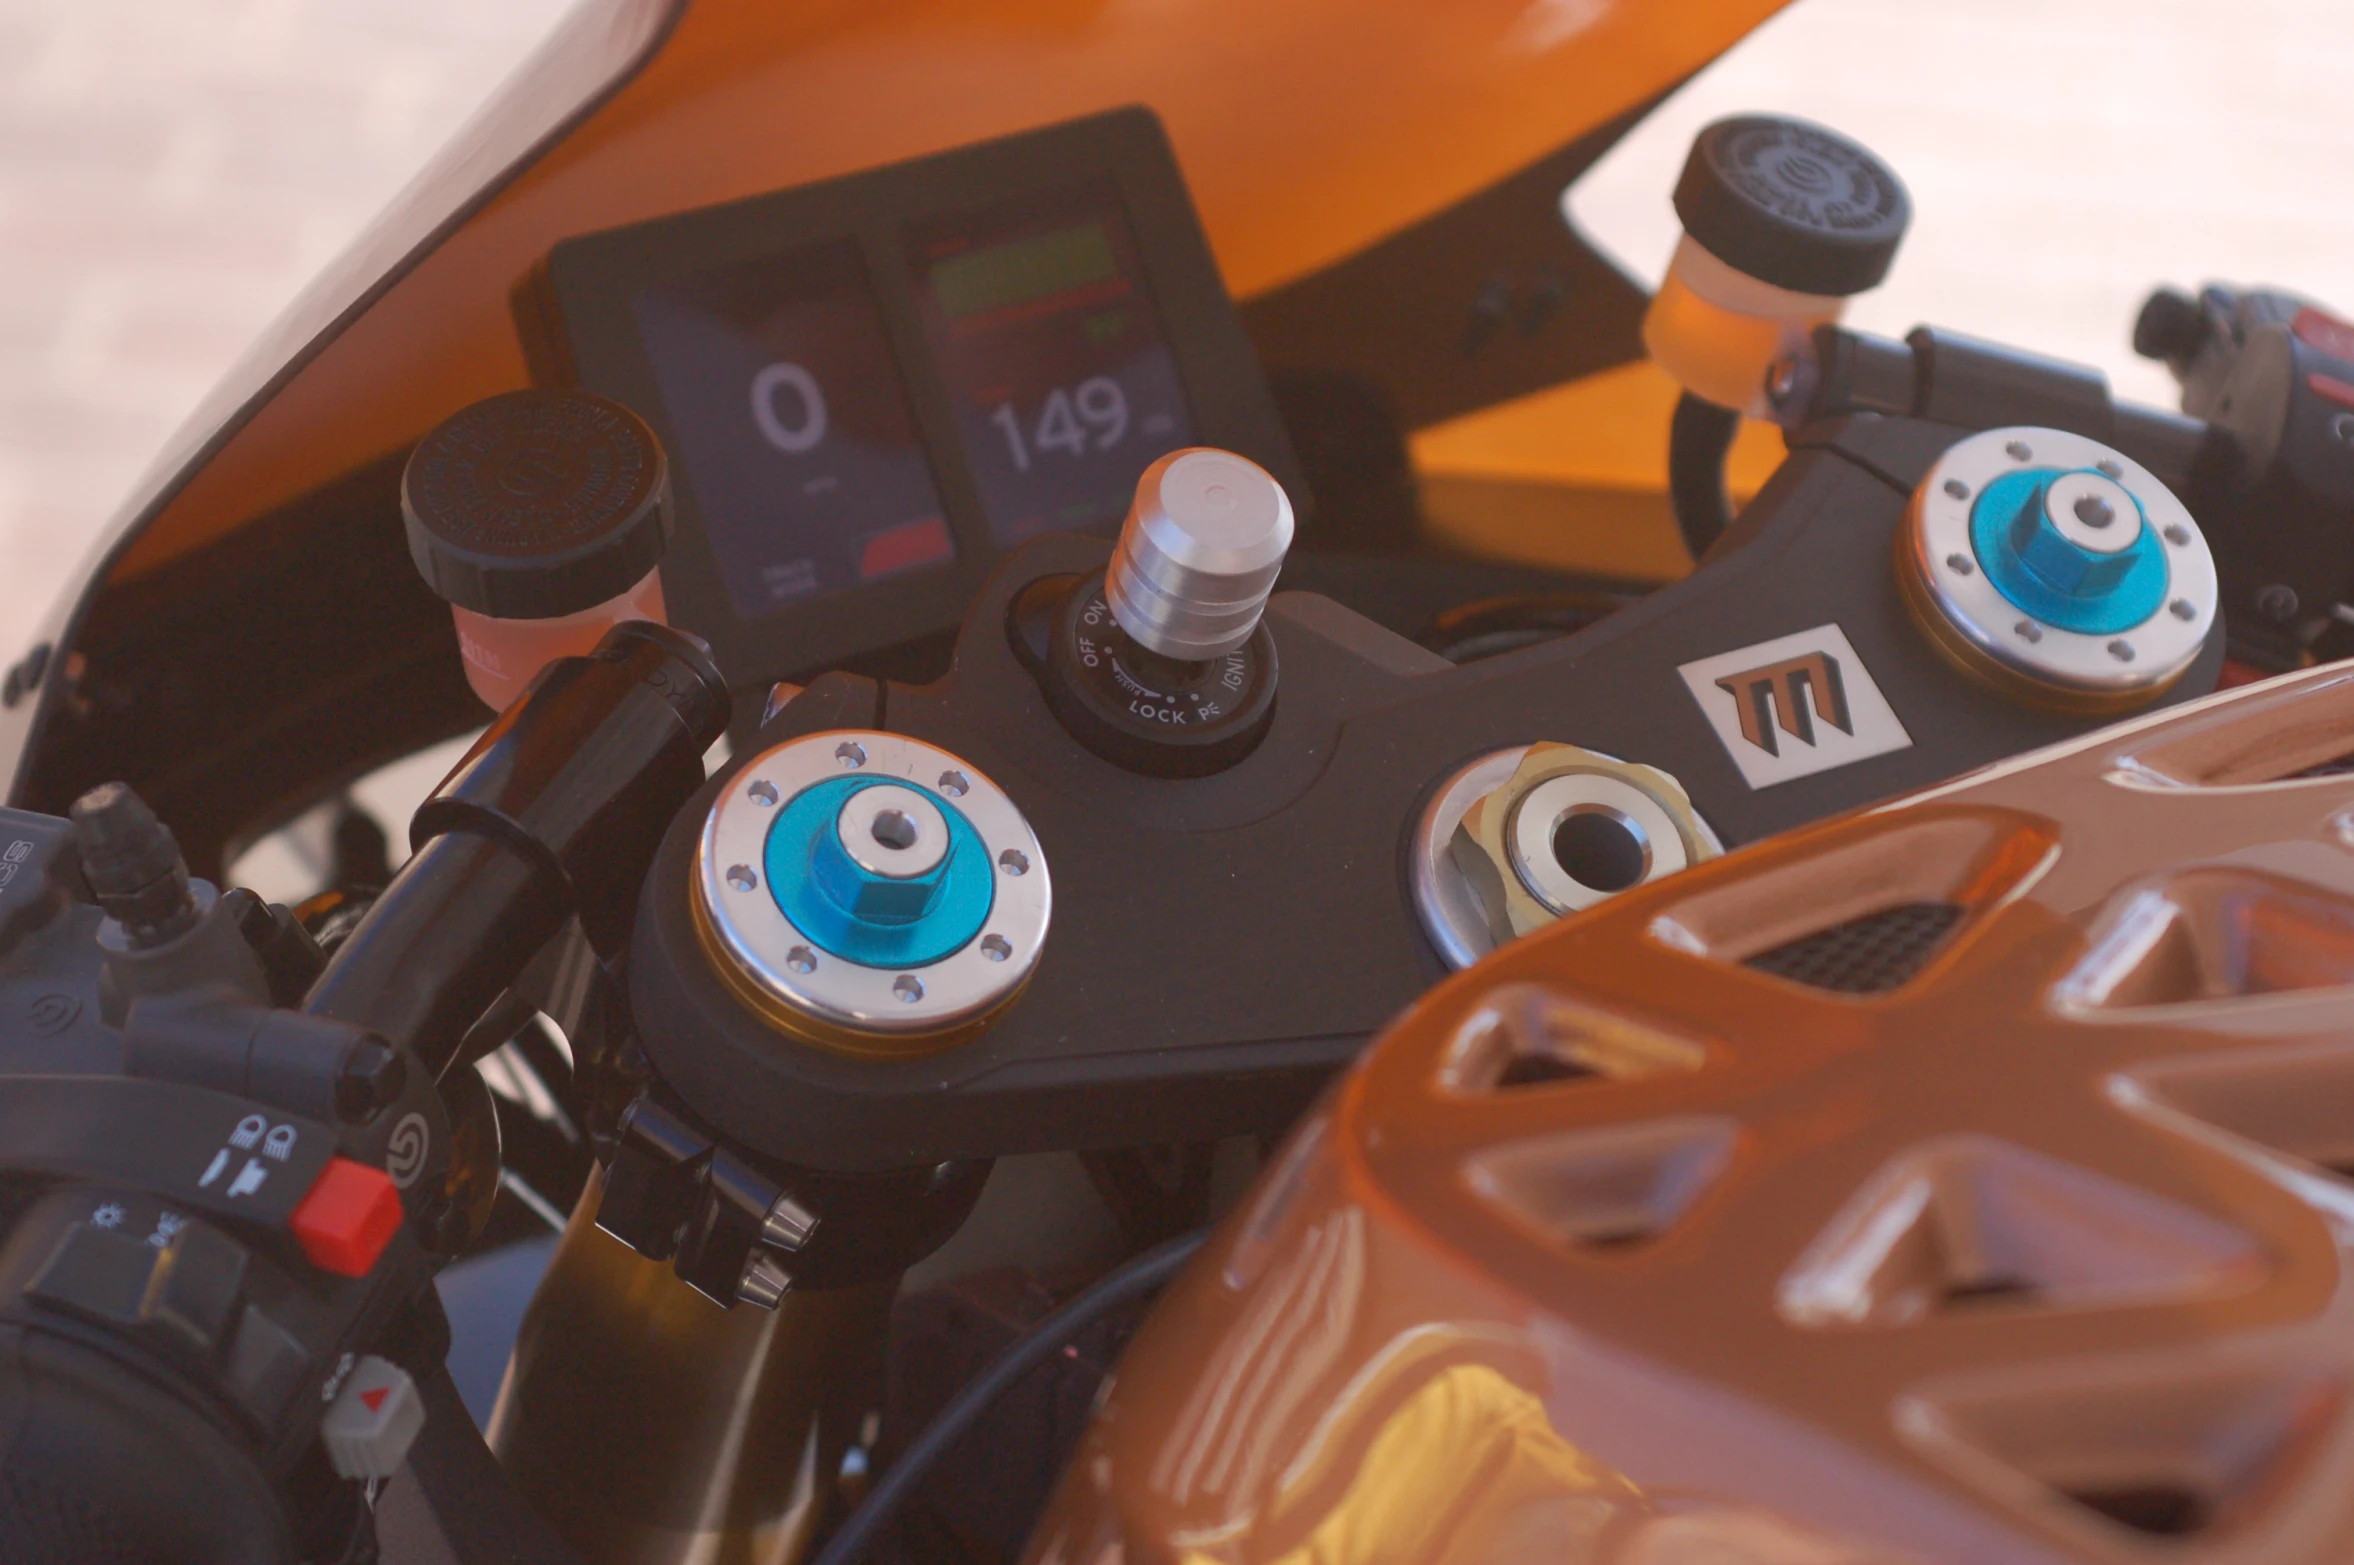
point(1063, 384)
point(791, 424)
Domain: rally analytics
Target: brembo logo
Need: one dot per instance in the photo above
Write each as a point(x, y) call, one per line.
point(1794, 706)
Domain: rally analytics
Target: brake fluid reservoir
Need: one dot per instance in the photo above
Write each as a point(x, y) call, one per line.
point(541, 518)
point(1783, 222)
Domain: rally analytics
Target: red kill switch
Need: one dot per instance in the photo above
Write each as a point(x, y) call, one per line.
point(348, 1218)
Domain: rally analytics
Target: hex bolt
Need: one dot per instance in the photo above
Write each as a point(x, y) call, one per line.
point(788, 1224)
point(373, 1077)
point(764, 1282)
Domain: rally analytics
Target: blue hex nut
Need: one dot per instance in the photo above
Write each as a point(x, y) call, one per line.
point(873, 890)
point(2071, 548)
point(884, 858)
point(2076, 533)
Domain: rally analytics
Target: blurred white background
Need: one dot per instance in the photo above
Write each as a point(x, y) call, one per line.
point(2064, 156)
point(172, 170)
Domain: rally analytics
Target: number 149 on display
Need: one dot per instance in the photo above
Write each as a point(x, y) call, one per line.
point(1094, 412)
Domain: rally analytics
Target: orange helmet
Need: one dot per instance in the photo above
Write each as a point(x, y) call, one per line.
point(1951, 1181)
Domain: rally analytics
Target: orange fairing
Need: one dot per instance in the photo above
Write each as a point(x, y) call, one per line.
point(1962, 1180)
point(1306, 129)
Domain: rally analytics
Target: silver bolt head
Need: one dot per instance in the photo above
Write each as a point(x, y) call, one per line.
point(764, 1282)
point(788, 1224)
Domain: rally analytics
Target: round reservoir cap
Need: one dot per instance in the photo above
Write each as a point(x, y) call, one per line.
point(1792, 204)
point(537, 504)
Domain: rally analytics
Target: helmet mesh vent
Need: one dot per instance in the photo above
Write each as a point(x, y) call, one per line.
point(1868, 955)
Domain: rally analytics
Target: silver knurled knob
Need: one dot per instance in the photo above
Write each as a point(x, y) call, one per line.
point(1199, 553)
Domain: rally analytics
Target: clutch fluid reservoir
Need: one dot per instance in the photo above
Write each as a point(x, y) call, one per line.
point(1783, 221)
point(541, 518)
point(870, 893)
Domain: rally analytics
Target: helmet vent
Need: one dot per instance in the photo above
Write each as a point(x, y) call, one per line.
point(1609, 1189)
point(1525, 1035)
point(2213, 934)
point(2139, 1448)
point(1868, 955)
point(2290, 1099)
point(1968, 1223)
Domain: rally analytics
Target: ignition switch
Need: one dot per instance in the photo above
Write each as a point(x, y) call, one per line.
point(1160, 664)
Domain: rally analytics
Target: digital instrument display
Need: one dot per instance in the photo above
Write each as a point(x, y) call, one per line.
point(790, 416)
point(873, 387)
point(1064, 386)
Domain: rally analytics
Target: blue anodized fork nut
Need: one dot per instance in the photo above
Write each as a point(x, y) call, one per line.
point(879, 872)
point(2070, 547)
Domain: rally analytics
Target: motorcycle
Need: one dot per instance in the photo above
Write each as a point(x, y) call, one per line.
point(920, 874)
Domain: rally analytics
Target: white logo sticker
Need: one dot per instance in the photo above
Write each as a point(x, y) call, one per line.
point(404, 1151)
point(1794, 706)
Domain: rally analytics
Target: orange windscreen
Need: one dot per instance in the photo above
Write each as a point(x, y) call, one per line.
point(1306, 129)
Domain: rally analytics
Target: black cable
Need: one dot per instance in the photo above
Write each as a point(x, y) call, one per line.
point(1699, 438)
point(1139, 1277)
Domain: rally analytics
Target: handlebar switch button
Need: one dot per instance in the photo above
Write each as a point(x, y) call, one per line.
point(374, 1420)
point(348, 1218)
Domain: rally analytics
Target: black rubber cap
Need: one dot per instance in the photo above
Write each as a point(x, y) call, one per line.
point(1792, 204)
point(2169, 326)
point(133, 864)
point(537, 504)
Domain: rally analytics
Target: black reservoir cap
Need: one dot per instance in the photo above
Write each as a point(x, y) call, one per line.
point(537, 504)
point(1792, 204)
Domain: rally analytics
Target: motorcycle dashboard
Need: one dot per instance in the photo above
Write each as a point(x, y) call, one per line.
point(872, 388)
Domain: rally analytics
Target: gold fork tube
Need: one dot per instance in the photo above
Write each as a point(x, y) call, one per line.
point(651, 1427)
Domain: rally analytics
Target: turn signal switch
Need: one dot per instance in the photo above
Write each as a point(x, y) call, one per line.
point(2057, 570)
point(1161, 665)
